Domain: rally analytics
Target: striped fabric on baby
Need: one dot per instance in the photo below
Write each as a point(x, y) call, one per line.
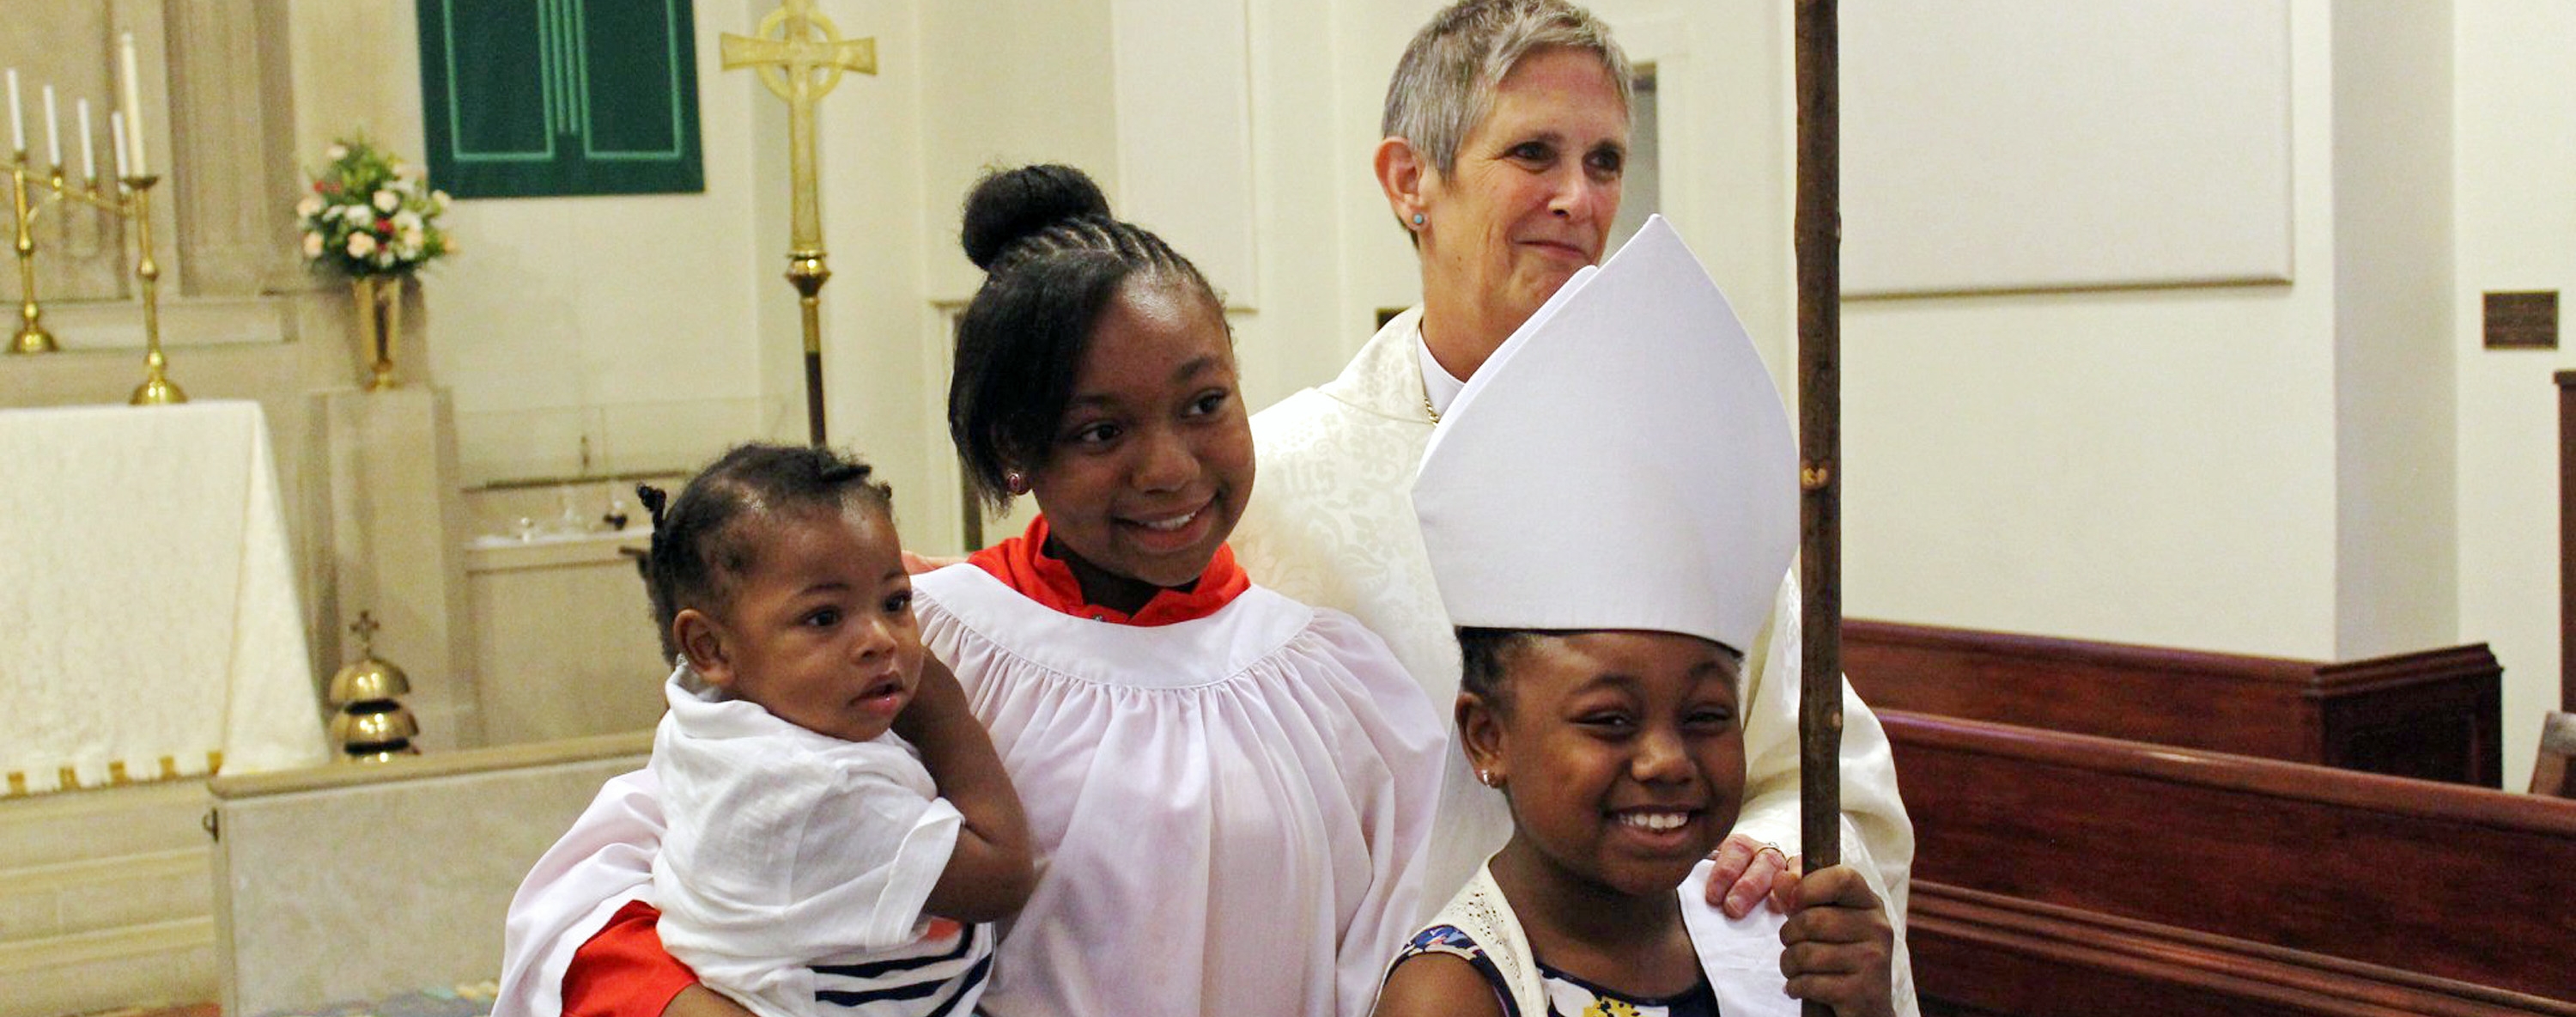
point(938, 976)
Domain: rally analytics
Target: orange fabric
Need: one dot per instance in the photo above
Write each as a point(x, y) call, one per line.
point(623, 971)
point(1022, 564)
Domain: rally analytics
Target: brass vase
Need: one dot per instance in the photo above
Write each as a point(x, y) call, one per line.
point(379, 307)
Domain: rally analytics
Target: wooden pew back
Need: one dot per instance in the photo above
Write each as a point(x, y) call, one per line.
point(2447, 881)
point(2433, 714)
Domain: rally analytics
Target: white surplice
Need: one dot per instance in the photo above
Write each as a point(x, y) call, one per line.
point(1331, 523)
point(1230, 812)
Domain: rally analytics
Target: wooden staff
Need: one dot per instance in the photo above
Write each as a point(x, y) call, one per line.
point(1819, 229)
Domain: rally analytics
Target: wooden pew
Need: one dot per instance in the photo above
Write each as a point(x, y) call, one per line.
point(2058, 873)
point(2434, 714)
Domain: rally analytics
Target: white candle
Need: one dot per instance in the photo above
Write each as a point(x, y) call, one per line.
point(53, 131)
point(116, 141)
point(89, 157)
point(17, 121)
point(133, 106)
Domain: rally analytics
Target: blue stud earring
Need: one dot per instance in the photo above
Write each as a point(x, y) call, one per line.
point(1417, 218)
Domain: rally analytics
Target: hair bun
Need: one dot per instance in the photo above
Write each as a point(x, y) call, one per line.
point(1009, 204)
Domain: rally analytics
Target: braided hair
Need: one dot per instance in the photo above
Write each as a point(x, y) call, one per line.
point(1053, 259)
point(706, 540)
point(1485, 657)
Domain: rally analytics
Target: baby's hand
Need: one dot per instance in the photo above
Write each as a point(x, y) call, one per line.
point(1837, 944)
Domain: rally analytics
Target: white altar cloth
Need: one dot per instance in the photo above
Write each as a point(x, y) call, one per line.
point(149, 625)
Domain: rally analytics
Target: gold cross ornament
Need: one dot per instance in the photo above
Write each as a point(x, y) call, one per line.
point(801, 56)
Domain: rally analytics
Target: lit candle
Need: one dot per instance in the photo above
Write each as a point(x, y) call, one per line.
point(17, 122)
point(133, 107)
point(89, 158)
point(116, 141)
point(53, 131)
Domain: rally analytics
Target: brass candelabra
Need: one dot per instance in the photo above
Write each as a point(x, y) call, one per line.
point(128, 198)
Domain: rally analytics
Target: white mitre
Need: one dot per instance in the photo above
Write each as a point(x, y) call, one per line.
point(1621, 462)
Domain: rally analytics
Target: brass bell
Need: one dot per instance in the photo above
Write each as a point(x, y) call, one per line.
point(367, 679)
point(395, 725)
point(372, 725)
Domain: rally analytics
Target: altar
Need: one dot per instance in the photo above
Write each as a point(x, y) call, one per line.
point(149, 621)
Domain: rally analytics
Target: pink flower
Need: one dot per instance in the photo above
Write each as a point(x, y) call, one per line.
point(312, 246)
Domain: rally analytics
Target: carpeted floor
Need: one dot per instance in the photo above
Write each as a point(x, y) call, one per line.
point(468, 1000)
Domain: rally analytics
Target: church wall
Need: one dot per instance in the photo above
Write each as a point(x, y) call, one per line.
point(620, 320)
point(2516, 229)
point(878, 343)
point(1002, 84)
point(579, 335)
point(2396, 580)
point(2150, 466)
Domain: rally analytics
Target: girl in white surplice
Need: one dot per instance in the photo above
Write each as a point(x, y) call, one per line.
point(1229, 791)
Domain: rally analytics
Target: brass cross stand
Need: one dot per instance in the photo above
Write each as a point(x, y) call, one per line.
point(801, 56)
point(1819, 232)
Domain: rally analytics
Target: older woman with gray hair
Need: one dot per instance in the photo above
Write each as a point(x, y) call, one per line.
point(1506, 133)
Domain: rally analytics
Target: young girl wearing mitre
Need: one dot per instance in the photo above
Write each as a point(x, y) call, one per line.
point(1607, 508)
point(816, 861)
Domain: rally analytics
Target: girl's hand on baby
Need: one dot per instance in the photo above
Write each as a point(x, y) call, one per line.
point(1747, 871)
point(1836, 946)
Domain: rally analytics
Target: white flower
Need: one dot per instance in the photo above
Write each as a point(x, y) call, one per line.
point(335, 153)
point(438, 198)
point(412, 240)
point(358, 214)
point(361, 245)
point(387, 201)
point(310, 204)
point(312, 245)
point(407, 220)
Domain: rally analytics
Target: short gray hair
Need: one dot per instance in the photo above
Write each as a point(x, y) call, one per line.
point(1444, 85)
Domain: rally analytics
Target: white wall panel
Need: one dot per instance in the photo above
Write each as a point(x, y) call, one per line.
point(1183, 82)
point(2036, 144)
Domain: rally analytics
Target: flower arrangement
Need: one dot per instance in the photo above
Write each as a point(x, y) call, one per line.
point(368, 214)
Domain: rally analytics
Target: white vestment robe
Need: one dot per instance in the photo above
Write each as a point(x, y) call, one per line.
point(1331, 523)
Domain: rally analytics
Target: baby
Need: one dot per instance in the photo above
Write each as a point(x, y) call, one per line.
point(817, 861)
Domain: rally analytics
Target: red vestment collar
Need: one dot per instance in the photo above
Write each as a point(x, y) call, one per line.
point(1022, 564)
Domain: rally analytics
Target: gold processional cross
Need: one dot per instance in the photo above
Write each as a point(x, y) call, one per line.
point(801, 56)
